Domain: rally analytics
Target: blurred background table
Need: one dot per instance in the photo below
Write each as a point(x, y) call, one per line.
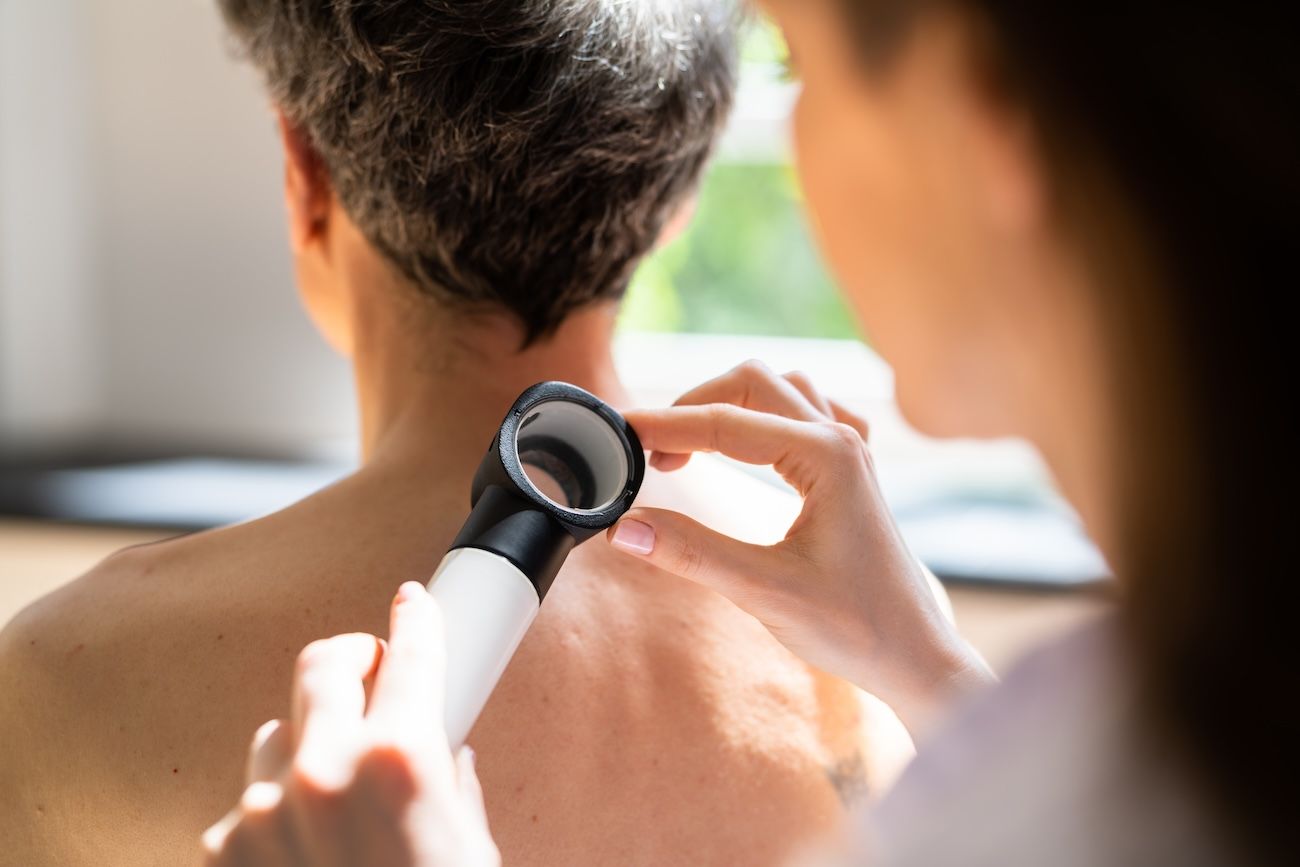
point(36, 557)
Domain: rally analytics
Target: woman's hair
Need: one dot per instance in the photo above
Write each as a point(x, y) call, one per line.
point(1186, 119)
point(516, 155)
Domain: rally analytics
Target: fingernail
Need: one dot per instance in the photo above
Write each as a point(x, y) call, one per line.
point(634, 537)
point(408, 591)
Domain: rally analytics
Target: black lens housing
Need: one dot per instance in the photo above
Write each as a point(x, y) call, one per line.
point(512, 518)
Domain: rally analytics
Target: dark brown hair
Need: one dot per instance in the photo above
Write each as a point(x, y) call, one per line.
point(1172, 132)
point(518, 155)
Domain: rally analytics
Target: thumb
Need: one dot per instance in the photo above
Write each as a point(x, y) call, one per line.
point(678, 544)
point(467, 778)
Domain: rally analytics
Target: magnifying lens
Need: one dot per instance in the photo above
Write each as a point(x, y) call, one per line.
point(563, 467)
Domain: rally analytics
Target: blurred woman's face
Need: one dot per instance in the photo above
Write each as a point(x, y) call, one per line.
point(925, 200)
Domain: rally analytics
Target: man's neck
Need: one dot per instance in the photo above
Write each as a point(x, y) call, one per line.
point(428, 378)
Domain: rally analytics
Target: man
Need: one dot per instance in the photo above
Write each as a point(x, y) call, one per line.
point(469, 186)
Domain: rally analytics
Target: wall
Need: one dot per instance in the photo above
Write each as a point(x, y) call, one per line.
point(144, 272)
point(50, 346)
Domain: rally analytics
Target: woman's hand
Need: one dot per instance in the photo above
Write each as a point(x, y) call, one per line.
point(344, 783)
point(841, 590)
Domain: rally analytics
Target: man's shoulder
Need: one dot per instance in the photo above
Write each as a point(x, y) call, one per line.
point(134, 632)
point(58, 702)
point(45, 643)
point(123, 701)
point(54, 652)
point(32, 644)
point(80, 666)
point(152, 629)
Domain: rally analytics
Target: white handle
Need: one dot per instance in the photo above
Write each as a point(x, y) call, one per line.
point(487, 605)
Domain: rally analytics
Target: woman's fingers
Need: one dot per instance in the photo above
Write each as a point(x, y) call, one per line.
point(264, 833)
point(467, 778)
point(329, 678)
point(270, 753)
point(751, 385)
point(214, 838)
point(748, 436)
point(682, 546)
point(329, 704)
point(374, 786)
point(844, 415)
point(254, 832)
point(268, 758)
point(666, 463)
point(800, 451)
point(804, 385)
point(406, 707)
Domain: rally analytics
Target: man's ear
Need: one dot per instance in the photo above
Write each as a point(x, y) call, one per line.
point(678, 222)
point(306, 186)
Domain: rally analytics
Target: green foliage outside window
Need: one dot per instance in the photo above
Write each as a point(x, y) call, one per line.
point(746, 265)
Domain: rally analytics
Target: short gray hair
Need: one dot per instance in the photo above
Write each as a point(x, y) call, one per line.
point(516, 154)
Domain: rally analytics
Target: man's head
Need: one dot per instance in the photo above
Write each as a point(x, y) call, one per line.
point(502, 154)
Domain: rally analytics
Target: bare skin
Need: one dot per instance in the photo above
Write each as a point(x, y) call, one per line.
point(930, 193)
point(645, 720)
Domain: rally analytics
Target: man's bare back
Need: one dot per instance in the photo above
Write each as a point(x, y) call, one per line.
point(644, 720)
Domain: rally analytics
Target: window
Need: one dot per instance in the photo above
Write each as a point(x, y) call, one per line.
point(747, 263)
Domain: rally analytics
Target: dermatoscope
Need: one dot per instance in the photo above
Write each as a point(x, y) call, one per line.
point(563, 466)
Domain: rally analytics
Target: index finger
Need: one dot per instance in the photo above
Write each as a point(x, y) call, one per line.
point(406, 706)
point(751, 385)
point(329, 700)
point(792, 447)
